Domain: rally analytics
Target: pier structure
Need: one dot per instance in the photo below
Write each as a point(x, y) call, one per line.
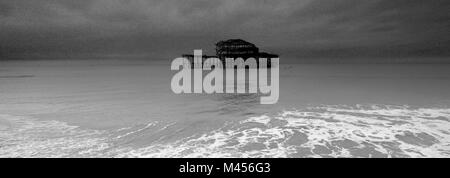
point(235, 48)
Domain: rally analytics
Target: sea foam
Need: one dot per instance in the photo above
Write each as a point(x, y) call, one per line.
point(325, 131)
point(320, 131)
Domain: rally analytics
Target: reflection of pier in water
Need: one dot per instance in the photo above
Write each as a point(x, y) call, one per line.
point(235, 49)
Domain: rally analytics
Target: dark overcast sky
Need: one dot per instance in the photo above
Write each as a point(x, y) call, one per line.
point(320, 28)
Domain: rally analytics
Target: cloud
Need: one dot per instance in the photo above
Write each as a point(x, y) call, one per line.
point(167, 28)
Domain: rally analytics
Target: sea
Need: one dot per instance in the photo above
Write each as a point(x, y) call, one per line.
point(126, 108)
